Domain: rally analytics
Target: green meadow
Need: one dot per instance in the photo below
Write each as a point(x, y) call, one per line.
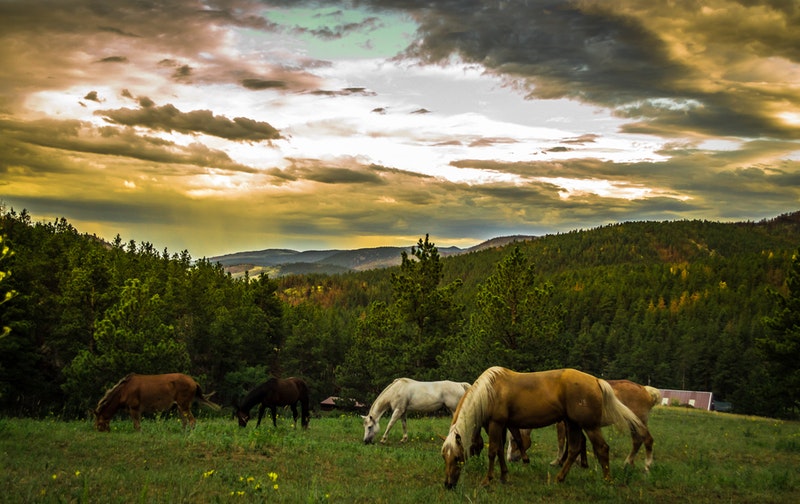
point(699, 457)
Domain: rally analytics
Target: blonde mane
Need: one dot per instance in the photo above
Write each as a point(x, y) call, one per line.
point(382, 403)
point(474, 407)
point(110, 393)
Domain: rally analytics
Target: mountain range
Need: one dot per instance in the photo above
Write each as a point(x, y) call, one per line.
point(280, 262)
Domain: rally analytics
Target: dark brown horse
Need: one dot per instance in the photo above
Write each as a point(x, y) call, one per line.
point(147, 393)
point(639, 398)
point(273, 393)
point(501, 399)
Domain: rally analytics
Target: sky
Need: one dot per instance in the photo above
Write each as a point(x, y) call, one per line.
point(235, 125)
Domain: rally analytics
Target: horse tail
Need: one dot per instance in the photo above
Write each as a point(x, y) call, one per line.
point(655, 394)
point(617, 414)
point(204, 399)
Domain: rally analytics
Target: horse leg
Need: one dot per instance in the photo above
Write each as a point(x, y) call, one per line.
point(600, 448)
point(274, 412)
point(136, 416)
point(187, 417)
point(574, 436)
point(405, 429)
point(477, 443)
point(497, 439)
point(396, 414)
point(561, 433)
point(261, 409)
point(562, 447)
point(637, 441)
point(648, 448)
point(584, 458)
point(294, 413)
point(521, 451)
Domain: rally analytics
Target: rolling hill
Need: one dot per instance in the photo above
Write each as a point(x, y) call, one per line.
point(279, 262)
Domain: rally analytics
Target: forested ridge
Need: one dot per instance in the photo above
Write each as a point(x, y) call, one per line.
point(689, 304)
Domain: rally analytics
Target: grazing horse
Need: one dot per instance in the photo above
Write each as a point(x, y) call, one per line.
point(144, 393)
point(404, 395)
point(501, 399)
point(273, 393)
point(638, 398)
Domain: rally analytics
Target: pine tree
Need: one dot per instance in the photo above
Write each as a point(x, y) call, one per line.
point(781, 344)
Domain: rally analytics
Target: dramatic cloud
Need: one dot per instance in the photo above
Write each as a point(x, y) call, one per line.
point(243, 124)
point(168, 118)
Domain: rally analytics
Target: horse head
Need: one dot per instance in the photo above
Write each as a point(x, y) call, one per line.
point(371, 428)
point(454, 458)
point(243, 417)
point(101, 422)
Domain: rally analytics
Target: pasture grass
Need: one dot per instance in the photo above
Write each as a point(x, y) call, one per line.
point(699, 457)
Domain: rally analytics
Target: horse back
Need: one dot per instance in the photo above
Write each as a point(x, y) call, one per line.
point(534, 400)
point(158, 392)
point(634, 396)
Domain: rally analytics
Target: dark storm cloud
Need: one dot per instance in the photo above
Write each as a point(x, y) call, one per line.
point(168, 118)
point(25, 141)
point(350, 91)
point(346, 172)
point(261, 84)
point(677, 67)
point(342, 30)
point(114, 59)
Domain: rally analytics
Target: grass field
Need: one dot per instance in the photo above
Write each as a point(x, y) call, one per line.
point(699, 457)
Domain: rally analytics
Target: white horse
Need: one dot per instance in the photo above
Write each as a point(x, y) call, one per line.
point(404, 395)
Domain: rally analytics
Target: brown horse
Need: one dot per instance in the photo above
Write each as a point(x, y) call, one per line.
point(502, 399)
point(147, 393)
point(638, 398)
point(273, 393)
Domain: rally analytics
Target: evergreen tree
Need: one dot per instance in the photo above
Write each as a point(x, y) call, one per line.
point(781, 344)
point(514, 325)
point(5, 295)
point(131, 338)
point(430, 314)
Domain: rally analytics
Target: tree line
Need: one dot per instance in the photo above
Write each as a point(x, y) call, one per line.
point(689, 305)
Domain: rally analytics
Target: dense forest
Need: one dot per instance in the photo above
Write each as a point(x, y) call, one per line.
point(688, 305)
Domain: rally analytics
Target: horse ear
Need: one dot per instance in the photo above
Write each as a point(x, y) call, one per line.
point(444, 438)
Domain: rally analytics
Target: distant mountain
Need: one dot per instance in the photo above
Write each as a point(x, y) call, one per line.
point(280, 262)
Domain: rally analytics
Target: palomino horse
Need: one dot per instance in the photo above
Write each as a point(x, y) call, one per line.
point(638, 398)
point(404, 395)
point(502, 399)
point(273, 393)
point(145, 393)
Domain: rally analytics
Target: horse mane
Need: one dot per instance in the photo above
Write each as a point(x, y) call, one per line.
point(113, 391)
point(254, 396)
point(379, 405)
point(474, 407)
point(655, 394)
